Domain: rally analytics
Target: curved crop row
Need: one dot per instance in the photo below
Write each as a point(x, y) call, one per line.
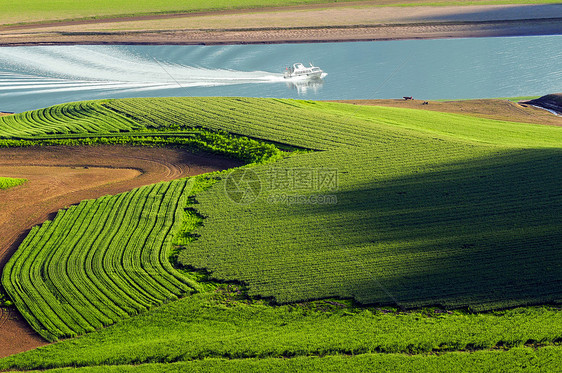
point(284, 121)
point(99, 262)
point(72, 118)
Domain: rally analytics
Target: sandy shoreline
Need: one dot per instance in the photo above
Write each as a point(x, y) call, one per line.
point(288, 25)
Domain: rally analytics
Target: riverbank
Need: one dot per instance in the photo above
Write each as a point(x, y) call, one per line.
point(320, 23)
point(498, 109)
point(552, 103)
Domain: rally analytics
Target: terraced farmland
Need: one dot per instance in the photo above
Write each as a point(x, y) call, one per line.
point(100, 261)
point(8, 182)
point(424, 209)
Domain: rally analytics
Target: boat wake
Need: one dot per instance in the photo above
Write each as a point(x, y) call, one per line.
point(72, 69)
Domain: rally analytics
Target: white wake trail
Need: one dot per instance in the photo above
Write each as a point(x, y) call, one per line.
point(63, 69)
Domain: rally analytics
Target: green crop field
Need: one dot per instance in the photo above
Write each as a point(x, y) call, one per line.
point(431, 208)
point(386, 231)
point(76, 118)
point(222, 324)
point(8, 182)
point(99, 261)
point(515, 360)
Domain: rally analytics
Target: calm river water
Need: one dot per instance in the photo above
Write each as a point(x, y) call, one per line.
point(35, 77)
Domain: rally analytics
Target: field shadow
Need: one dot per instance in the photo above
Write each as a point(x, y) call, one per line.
point(491, 14)
point(485, 233)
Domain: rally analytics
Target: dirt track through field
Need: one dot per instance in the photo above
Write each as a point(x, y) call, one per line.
point(62, 176)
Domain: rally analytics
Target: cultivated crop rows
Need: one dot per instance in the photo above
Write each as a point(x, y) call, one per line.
point(326, 125)
point(99, 261)
point(483, 231)
point(73, 118)
point(284, 121)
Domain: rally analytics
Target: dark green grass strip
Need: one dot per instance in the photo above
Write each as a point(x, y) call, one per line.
point(523, 359)
point(223, 324)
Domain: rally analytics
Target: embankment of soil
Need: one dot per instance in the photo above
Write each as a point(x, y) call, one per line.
point(310, 23)
point(485, 108)
point(552, 102)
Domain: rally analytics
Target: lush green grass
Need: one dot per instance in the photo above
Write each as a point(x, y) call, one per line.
point(224, 324)
point(8, 182)
point(47, 10)
point(516, 360)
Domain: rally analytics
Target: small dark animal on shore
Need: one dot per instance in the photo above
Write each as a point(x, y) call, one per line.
point(408, 98)
point(425, 103)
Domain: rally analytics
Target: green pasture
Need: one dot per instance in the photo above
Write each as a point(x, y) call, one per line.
point(26, 11)
point(223, 324)
point(516, 360)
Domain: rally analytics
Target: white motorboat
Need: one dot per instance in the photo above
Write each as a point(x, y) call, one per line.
point(299, 70)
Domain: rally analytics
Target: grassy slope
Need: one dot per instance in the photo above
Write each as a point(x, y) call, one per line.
point(435, 159)
point(432, 208)
point(8, 182)
point(224, 324)
point(516, 360)
point(26, 11)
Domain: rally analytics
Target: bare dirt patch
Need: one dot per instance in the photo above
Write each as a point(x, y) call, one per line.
point(62, 176)
point(485, 108)
point(312, 23)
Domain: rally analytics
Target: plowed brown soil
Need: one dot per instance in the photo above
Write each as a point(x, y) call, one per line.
point(62, 176)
